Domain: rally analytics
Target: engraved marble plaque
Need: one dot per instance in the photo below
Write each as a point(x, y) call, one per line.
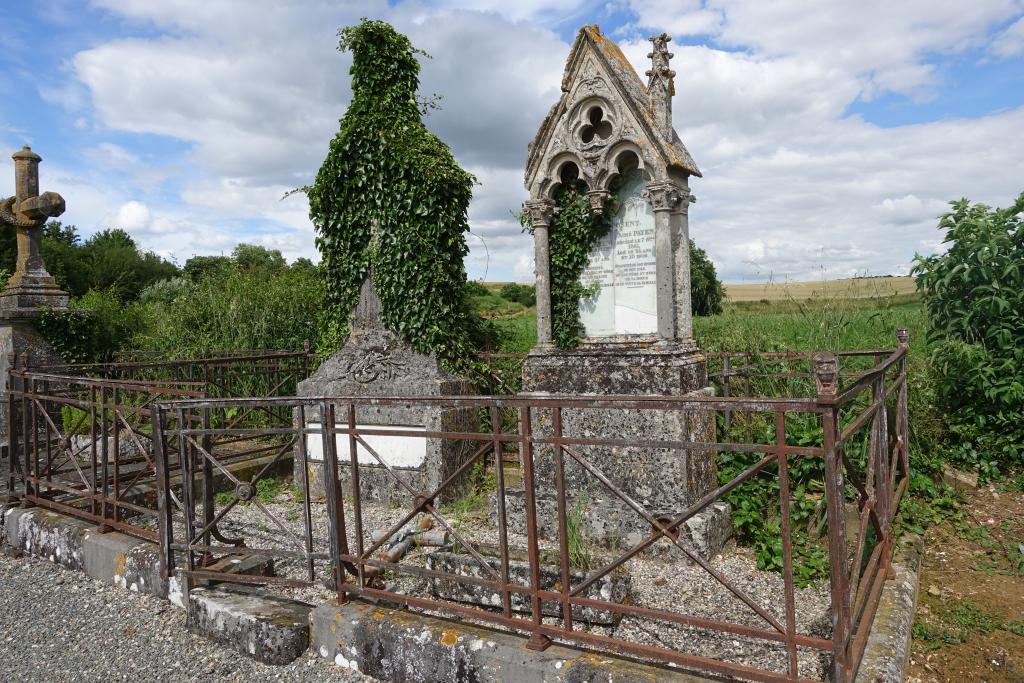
point(622, 265)
point(397, 451)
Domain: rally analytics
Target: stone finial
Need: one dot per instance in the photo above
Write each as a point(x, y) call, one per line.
point(903, 337)
point(826, 373)
point(661, 83)
point(541, 211)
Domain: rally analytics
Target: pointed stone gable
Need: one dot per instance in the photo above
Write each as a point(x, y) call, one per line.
point(604, 110)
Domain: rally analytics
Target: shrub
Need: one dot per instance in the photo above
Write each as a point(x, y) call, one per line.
point(974, 295)
point(520, 294)
point(229, 310)
point(706, 291)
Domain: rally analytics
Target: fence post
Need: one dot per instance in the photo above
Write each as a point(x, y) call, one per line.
point(164, 502)
point(826, 379)
point(12, 430)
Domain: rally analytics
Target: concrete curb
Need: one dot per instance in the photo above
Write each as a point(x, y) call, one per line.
point(393, 645)
point(269, 629)
point(888, 647)
point(112, 558)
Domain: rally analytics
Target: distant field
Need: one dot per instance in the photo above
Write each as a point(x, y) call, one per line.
point(856, 288)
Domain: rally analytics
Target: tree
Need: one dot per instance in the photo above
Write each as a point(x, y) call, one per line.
point(706, 291)
point(974, 294)
point(255, 257)
point(198, 267)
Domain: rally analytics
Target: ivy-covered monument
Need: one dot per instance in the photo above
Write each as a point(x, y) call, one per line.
point(389, 207)
point(608, 179)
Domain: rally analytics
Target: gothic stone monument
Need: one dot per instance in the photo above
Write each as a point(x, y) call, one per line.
point(616, 135)
point(31, 288)
point(375, 362)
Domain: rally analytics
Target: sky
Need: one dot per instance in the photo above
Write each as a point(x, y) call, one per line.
point(830, 134)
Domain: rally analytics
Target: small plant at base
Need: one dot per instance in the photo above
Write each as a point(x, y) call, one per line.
point(577, 539)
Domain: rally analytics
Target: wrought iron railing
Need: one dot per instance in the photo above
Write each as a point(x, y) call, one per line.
point(513, 566)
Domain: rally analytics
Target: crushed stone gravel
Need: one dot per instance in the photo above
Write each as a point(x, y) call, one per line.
point(59, 626)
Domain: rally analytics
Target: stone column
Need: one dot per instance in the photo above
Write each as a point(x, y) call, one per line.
point(680, 216)
point(541, 213)
point(26, 184)
point(672, 286)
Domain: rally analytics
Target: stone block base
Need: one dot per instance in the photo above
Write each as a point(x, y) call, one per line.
point(609, 523)
point(269, 629)
point(614, 588)
point(392, 645)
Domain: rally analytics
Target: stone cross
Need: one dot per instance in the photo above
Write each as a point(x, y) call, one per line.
point(27, 211)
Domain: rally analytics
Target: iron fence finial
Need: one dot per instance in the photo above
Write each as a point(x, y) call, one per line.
point(826, 373)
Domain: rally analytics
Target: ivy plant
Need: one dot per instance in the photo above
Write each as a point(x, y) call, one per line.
point(575, 231)
point(390, 197)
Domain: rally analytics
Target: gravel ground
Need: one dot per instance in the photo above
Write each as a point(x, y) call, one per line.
point(59, 626)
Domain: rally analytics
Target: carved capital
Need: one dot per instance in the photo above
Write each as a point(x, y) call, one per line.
point(826, 374)
point(667, 196)
point(541, 211)
point(597, 199)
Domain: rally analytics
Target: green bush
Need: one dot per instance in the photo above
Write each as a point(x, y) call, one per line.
point(229, 310)
point(706, 291)
point(92, 328)
point(974, 295)
point(520, 294)
point(384, 168)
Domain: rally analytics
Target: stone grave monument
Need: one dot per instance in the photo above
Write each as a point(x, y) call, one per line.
point(31, 289)
point(375, 362)
point(614, 133)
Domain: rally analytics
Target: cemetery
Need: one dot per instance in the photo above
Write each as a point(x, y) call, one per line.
point(414, 514)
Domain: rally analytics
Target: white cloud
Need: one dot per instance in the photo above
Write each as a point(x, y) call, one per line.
point(133, 216)
point(793, 185)
point(1010, 43)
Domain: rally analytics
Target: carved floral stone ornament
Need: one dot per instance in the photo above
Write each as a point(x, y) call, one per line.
point(377, 363)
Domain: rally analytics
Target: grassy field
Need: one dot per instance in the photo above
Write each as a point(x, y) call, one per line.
point(856, 288)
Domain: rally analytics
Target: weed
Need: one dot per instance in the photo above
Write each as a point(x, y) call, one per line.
point(576, 534)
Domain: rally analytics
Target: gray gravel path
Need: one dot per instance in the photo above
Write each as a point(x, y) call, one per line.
point(59, 626)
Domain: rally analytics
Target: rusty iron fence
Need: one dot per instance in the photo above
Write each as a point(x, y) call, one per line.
point(81, 438)
point(516, 560)
point(239, 374)
point(84, 447)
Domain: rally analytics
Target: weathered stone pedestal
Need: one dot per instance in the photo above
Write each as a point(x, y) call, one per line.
point(665, 481)
point(375, 362)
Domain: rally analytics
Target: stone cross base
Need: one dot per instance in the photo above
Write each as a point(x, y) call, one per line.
point(665, 481)
point(17, 337)
point(29, 291)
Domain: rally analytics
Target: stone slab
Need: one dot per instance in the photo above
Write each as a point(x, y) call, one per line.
point(616, 525)
point(613, 588)
point(404, 647)
point(888, 647)
point(270, 629)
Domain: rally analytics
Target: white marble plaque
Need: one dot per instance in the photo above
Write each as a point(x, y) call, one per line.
point(397, 451)
point(623, 266)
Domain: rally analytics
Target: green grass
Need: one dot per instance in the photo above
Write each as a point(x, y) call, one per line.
point(956, 623)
